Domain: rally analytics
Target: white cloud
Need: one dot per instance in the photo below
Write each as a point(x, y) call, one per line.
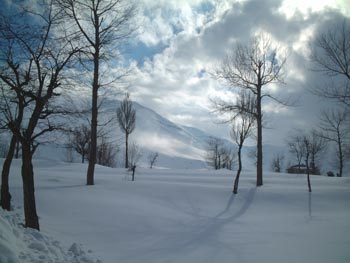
point(174, 81)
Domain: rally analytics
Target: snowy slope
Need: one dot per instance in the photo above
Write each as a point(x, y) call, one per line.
point(190, 216)
point(178, 146)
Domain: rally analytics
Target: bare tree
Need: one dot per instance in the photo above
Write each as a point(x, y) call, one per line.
point(79, 141)
point(297, 148)
point(103, 25)
point(307, 147)
point(313, 145)
point(317, 145)
point(228, 157)
point(301, 146)
point(219, 155)
point(334, 128)
point(34, 59)
point(152, 159)
point(106, 152)
point(277, 162)
point(11, 109)
point(213, 155)
point(135, 154)
point(330, 53)
point(241, 130)
point(126, 115)
point(252, 68)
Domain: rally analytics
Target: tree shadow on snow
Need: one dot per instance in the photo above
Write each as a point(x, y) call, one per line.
point(205, 234)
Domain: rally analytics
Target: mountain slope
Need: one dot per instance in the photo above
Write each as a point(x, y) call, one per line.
point(178, 146)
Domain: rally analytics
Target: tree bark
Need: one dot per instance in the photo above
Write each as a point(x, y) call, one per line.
point(5, 193)
point(17, 149)
point(31, 217)
point(341, 164)
point(235, 187)
point(308, 172)
point(126, 150)
point(94, 109)
point(259, 164)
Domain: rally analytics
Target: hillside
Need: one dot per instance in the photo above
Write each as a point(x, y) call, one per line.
point(178, 146)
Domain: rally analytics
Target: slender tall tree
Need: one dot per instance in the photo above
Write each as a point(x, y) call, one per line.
point(307, 147)
point(126, 115)
point(252, 67)
point(241, 130)
point(17, 117)
point(103, 26)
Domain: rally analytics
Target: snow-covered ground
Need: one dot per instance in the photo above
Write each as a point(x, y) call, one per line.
point(184, 216)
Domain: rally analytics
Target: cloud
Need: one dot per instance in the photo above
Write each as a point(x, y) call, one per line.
point(176, 81)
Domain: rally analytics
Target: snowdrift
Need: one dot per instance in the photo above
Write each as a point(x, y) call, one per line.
point(18, 244)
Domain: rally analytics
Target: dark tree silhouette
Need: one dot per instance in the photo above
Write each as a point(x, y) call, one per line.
point(106, 152)
point(218, 154)
point(126, 116)
point(334, 128)
point(330, 53)
point(252, 67)
point(297, 148)
point(6, 109)
point(36, 56)
point(103, 25)
point(79, 141)
point(241, 129)
point(317, 146)
point(277, 163)
point(152, 159)
point(307, 146)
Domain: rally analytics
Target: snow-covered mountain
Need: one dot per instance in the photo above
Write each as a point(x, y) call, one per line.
point(178, 146)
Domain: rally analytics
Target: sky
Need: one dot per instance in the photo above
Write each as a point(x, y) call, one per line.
point(182, 41)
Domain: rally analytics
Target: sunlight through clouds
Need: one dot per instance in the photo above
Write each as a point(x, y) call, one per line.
point(196, 35)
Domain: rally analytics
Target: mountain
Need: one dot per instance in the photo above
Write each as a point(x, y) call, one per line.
point(178, 146)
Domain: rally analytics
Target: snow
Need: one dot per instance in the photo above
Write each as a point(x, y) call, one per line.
point(173, 215)
point(18, 244)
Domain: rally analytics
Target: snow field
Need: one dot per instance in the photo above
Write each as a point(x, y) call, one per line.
point(191, 215)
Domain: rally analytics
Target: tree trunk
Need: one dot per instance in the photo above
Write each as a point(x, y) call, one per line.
point(235, 187)
point(94, 113)
point(308, 172)
point(126, 150)
point(82, 158)
point(341, 157)
point(31, 217)
point(17, 149)
point(5, 193)
point(133, 173)
point(313, 165)
point(259, 164)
